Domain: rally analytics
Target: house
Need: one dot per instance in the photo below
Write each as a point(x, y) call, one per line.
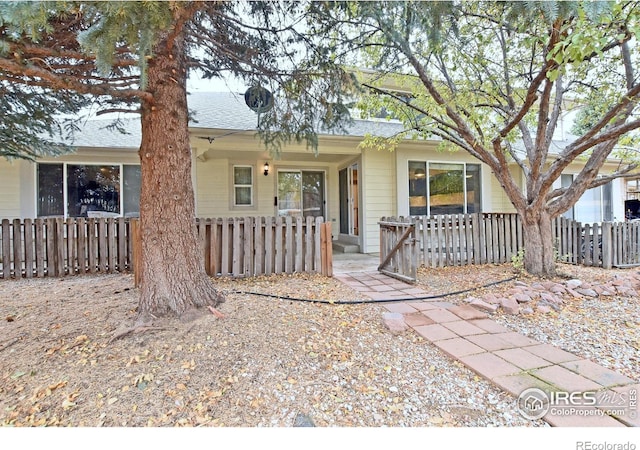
point(234, 176)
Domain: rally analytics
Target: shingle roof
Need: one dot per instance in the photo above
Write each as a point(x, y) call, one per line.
point(212, 110)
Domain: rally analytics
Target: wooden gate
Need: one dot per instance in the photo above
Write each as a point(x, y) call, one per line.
point(398, 250)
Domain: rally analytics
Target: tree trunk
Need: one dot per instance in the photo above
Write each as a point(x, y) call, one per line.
point(539, 254)
point(173, 278)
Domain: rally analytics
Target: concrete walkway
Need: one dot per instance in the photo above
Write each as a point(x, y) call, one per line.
point(508, 359)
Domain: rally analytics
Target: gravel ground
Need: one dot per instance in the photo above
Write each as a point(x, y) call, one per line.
point(269, 362)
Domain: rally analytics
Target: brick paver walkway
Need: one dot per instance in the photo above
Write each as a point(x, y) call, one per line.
point(510, 360)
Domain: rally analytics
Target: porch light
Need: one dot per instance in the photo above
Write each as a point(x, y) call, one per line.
point(265, 169)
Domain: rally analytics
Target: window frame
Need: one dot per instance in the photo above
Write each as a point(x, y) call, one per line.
point(302, 171)
point(604, 195)
point(65, 185)
point(234, 203)
point(427, 166)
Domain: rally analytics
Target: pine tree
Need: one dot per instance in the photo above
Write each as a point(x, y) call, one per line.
point(136, 56)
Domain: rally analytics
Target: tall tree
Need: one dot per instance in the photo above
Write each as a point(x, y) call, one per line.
point(137, 56)
point(495, 78)
point(35, 124)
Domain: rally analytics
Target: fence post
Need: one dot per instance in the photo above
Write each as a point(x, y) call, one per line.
point(6, 249)
point(326, 249)
point(28, 248)
point(607, 245)
point(137, 252)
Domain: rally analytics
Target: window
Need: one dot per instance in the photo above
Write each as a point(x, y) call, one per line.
point(565, 182)
point(595, 205)
point(50, 190)
point(633, 189)
point(77, 190)
point(443, 188)
point(91, 189)
point(132, 177)
point(243, 185)
point(300, 193)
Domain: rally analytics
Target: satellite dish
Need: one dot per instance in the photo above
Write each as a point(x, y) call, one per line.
point(258, 99)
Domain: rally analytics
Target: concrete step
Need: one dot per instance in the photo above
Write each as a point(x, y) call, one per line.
point(342, 247)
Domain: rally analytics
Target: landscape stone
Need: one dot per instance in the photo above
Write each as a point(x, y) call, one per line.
point(484, 306)
point(557, 289)
point(510, 305)
point(551, 298)
point(574, 293)
point(587, 292)
point(538, 287)
point(491, 298)
point(522, 298)
point(394, 322)
point(572, 284)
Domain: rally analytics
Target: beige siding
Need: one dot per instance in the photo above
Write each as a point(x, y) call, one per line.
point(10, 189)
point(214, 187)
point(498, 201)
point(27, 190)
point(378, 194)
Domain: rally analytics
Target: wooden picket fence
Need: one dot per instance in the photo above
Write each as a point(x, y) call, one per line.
point(57, 247)
point(252, 246)
point(239, 247)
point(494, 238)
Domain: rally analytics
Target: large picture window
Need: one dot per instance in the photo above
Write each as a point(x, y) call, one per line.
point(443, 188)
point(595, 205)
point(92, 189)
point(83, 190)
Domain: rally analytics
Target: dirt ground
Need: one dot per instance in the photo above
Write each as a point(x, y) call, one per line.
point(268, 362)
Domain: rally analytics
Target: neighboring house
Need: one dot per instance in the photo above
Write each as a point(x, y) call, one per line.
point(351, 187)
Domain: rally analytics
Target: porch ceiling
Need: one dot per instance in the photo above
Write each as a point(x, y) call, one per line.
point(245, 145)
point(285, 156)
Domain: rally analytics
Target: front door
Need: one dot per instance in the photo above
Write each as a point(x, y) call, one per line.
point(349, 203)
point(301, 193)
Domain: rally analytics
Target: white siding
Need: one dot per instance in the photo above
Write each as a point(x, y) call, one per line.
point(10, 190)
point(378, 194)
point(27, 190)
point(496, 199)
point(214, 188)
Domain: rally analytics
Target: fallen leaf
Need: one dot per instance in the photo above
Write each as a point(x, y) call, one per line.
point(66, 404)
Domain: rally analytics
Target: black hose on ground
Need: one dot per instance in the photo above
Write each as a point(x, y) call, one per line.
point(369, 300)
